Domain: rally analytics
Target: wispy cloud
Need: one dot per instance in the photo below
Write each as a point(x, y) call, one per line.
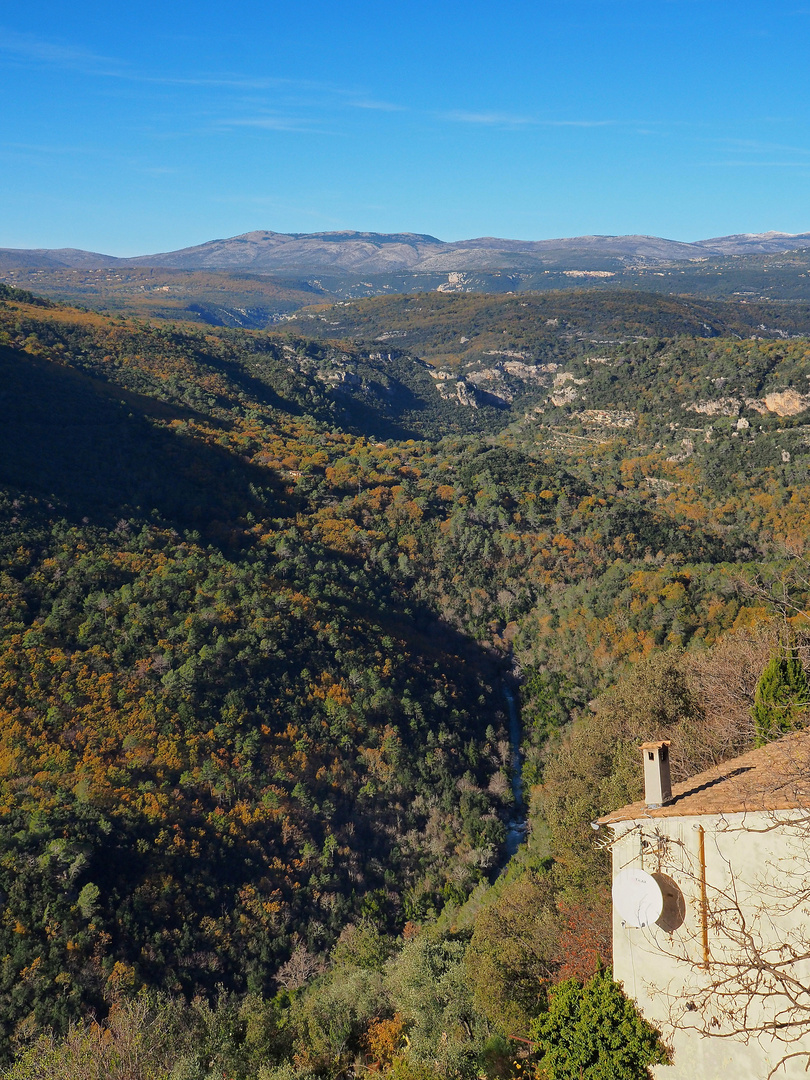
point(227, 81)
point(36, 50)
point(302, 95)
point(503, 119)
point(758, 146)
point(273, 123)
point(737, 153)
point(382, 106)
point(587, 123)
point(293, 104)
point(491, 119)
point(43, 148)
point(28, 47)
point(757, 164)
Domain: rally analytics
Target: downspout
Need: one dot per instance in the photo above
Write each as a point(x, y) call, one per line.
point(704, 904)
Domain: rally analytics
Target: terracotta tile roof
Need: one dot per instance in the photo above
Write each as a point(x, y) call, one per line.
point(774, 777)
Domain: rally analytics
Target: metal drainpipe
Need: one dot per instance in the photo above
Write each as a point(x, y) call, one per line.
point(704, 904)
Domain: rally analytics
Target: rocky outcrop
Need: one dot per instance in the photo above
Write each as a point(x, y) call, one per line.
point(450, 386)
point(787, 402)
point(565, 389)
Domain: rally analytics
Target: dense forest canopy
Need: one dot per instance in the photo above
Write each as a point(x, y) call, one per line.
point(262, 596)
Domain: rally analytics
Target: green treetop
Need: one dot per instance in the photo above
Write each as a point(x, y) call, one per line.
point(781, 696)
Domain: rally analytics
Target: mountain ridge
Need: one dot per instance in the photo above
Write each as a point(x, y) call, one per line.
point(353, 251)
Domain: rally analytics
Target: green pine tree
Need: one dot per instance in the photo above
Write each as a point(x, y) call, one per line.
point(781, 696)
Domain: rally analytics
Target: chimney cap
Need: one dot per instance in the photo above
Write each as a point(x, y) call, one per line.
point(656, 745)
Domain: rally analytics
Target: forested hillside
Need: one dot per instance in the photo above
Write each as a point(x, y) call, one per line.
point(264, 598)
point(221, 299)
point(543, 324)
point(721, 284)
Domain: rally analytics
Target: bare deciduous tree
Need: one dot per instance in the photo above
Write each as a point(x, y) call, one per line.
point(299, 969)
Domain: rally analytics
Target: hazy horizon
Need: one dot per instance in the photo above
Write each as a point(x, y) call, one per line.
point(413, 232)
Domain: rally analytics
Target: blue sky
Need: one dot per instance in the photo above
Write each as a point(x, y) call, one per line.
point(139, 128)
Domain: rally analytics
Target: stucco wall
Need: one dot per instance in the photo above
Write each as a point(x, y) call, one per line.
point(755, 865)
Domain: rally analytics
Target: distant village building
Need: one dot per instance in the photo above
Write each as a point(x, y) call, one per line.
point(711, 912)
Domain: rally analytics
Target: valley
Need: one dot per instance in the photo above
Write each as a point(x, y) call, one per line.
point(278, 603)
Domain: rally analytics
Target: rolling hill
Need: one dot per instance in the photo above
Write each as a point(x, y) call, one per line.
point(264, 251)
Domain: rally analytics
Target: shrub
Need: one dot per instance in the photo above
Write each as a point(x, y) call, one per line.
point(594, 1031)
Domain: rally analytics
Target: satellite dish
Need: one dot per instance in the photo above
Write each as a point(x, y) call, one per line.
point(637, 897)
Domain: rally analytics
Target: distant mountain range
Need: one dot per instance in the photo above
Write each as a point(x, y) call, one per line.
point(365, 252)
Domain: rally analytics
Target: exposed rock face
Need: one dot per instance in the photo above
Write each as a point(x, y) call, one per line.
point(565, 389)
point(450, 386)
point(564, 397)
point(456, 282)
point(589, 273)
point(466, 394)
point(526, 371)
point(787, 402)
point(494, 384)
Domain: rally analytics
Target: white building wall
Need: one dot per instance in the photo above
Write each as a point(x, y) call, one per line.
point(755, 866)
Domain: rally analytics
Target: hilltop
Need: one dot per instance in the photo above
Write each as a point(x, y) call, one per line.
point(265, 251)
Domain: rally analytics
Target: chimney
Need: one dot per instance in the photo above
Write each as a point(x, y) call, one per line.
point(657, 786)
